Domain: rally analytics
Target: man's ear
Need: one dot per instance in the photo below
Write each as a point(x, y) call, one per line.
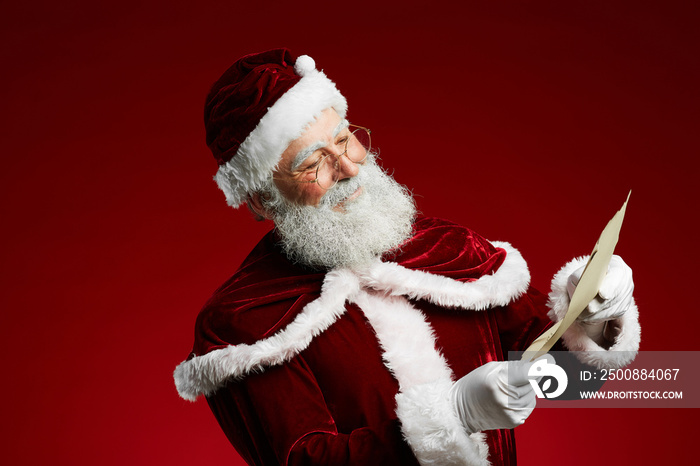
point(256, 207)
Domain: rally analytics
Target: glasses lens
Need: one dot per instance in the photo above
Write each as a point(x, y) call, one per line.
point(359, 145)
point(356, 150)
point(327, 172)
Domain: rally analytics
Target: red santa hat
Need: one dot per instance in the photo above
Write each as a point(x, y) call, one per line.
point(258, 106)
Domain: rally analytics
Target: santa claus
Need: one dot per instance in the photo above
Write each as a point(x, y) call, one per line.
point(354, 332)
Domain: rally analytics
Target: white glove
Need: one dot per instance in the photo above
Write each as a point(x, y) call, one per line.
point(613, 300)
point(614, 296)
point(488, 398)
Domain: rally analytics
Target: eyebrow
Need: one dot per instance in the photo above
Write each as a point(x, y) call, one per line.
point(313, 147)
point(341, 126)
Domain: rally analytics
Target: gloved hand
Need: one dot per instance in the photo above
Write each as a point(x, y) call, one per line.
point(613, 300)
point(614, 296)
point(490, 398)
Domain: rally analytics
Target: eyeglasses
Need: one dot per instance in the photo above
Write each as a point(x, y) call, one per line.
point(355, 145)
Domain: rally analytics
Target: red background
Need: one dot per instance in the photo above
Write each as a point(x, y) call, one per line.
point(527, 121)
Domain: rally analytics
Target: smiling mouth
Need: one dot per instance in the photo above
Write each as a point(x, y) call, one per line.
point(340, 207)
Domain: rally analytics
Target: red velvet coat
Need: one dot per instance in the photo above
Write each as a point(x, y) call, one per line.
point(353, 366)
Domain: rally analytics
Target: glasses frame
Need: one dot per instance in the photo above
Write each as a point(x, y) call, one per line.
point(336, 165)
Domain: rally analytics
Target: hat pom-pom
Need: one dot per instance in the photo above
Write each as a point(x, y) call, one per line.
point(304, 65)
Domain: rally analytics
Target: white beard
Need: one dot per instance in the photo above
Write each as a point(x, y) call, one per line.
point(377, 221)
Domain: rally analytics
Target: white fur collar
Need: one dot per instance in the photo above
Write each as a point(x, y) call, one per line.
point(509, 282)
point(202, 375)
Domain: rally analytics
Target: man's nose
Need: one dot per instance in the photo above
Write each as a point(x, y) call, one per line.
point(346, 167)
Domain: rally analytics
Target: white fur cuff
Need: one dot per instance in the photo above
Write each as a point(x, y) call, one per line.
point(624, 349)
point(433, 430)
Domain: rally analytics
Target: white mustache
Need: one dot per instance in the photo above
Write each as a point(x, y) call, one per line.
point(344, 188)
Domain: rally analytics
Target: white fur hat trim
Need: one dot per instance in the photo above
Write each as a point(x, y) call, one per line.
point(284, 122)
